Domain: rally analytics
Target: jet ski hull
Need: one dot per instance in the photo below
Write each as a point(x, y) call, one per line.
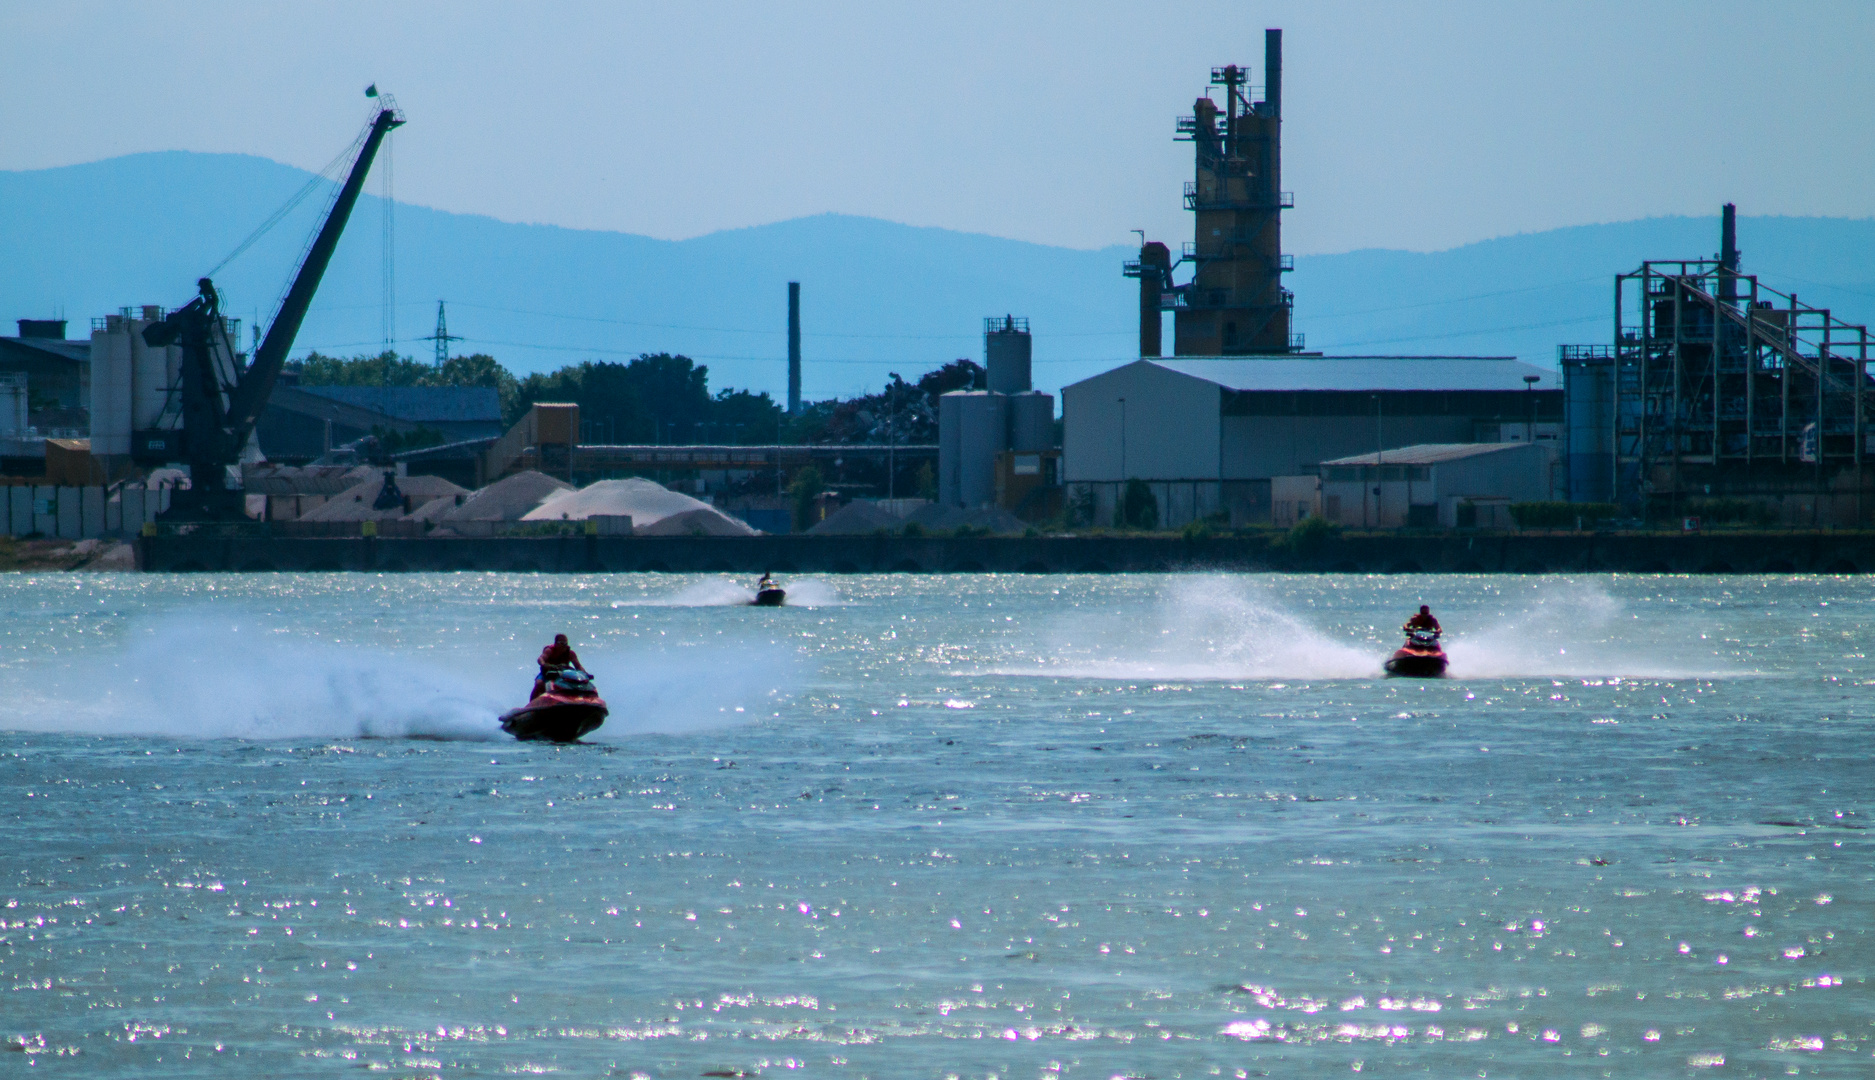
point(769, 598)
point(1409, 663)
point(555, 718)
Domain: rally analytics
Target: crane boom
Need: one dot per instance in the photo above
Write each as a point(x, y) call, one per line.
point(219, 410)
point(250, 397)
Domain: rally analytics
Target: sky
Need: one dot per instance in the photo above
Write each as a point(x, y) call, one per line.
point(1414, 126)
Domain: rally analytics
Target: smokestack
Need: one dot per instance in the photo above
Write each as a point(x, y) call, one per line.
point(1273, 71)
point(794, 348)
point(1728, 254)
point(1155, 277)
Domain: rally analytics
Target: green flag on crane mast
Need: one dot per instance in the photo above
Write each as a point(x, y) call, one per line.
point(372, 90)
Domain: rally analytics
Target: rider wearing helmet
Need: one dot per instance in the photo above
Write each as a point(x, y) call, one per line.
point(1423, 621)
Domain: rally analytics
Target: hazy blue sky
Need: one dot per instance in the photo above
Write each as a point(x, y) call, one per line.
point(1408, 125)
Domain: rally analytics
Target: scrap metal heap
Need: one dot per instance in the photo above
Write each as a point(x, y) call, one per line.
point(1235, 304)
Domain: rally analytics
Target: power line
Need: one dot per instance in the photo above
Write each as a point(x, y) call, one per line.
point(1461, 299)
point(1473, 333)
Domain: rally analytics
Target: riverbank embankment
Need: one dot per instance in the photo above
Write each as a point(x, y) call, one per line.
point(1693, 553)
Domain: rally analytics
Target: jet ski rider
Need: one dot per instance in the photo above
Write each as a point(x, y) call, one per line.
point(767, 582)
point(553, 659)
point(1423, 621)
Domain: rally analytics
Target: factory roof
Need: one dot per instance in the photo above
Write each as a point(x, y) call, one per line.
point(1361, 373)
point(419, 404)
point(62, 348)
point(1428, 453)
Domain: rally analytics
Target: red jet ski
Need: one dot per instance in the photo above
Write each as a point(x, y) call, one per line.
point(567, 708)
point(1420, 658)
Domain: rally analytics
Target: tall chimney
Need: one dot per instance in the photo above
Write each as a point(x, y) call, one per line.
point(1728, 254)
point(794, 348)
point(1273, 101)
point(1273, 71)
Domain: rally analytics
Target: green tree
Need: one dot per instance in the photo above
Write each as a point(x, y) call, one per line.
point(807, 484)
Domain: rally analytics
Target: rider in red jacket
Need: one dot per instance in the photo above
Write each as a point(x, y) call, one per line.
point(555, 657)
point(1423, 620)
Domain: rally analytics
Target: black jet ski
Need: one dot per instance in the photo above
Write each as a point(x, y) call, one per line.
point(567, 707)
point(768, 594)
point(1420, 658)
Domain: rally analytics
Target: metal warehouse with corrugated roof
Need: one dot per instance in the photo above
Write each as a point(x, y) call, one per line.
point(1208, 434)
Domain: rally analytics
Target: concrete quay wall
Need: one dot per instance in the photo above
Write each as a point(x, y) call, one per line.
point(1360, 553)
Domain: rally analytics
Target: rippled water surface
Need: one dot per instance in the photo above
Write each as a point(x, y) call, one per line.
point(970, 826)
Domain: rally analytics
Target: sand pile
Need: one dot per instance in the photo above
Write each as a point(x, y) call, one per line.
point(355, 502)
point(858, 518)
point(650, 505)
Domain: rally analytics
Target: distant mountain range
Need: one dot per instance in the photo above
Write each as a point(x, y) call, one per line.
point(876, 296)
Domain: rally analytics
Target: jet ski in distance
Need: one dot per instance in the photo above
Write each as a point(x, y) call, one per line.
point(1420, 658)
point(767, 593)
point(567, 707)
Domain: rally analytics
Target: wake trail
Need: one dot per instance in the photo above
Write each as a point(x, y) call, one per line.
point(1227, 629)
point(213, 675)
point(716, 592)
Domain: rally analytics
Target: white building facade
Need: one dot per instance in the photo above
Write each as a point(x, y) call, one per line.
point(1453, 485)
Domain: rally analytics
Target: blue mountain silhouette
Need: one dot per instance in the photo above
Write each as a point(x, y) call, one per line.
point(88, 239)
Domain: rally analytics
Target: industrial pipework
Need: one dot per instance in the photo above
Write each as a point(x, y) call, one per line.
point(1235, 303)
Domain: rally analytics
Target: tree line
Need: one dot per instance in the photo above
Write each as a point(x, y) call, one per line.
point(665, 398)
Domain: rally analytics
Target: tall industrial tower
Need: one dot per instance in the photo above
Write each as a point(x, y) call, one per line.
point(1235, 304)
point(794, 348)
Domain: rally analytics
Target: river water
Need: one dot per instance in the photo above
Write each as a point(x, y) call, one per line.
point(944, 826)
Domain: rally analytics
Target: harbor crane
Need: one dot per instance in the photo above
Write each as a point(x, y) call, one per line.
point(222, 400)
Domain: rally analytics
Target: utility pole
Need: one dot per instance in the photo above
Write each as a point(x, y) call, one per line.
point(1529, 386)
point(1380, 453)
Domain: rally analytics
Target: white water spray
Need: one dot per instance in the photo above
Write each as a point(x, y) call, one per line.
point(218, 674)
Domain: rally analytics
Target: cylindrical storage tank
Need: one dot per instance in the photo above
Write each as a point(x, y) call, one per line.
point(111, 381)
point(950, 445)
point(154, 372)
point(973, 428)
point(1589, 428)
point(1031, 421)
point(982, 435)
point(1006, 353)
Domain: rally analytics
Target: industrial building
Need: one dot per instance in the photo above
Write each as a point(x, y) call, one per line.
point(1209, 435)
point(1454, 485)
point(136, 403)
point(45, 390)
point(1720, 391)
point(997, 445)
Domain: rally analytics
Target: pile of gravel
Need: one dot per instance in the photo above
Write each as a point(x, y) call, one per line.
point(860, 517)
point(647, 503)
point(355, 502)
